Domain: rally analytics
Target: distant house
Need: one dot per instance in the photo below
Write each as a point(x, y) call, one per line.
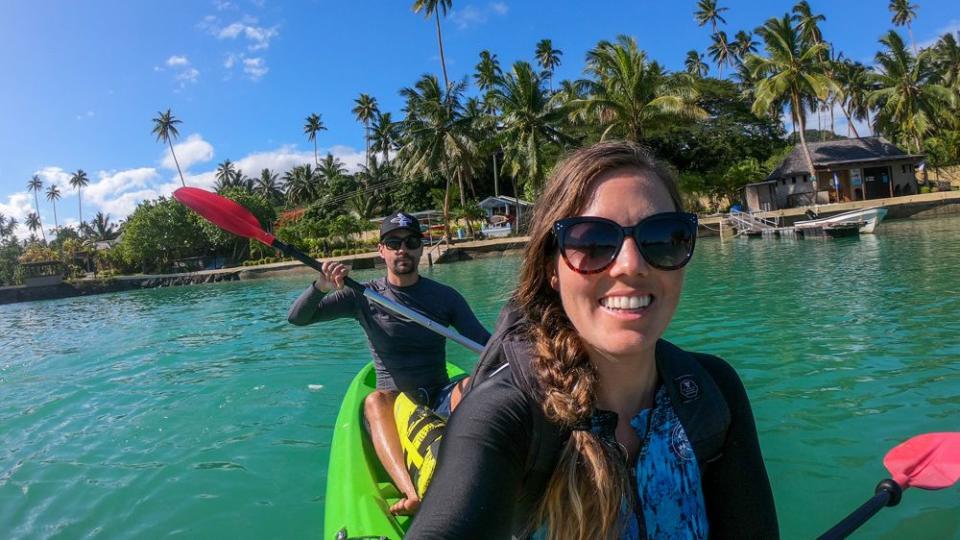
point(847, 170)
point(505, 206)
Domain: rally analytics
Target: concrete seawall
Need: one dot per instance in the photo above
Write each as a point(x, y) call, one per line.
point(928, 205)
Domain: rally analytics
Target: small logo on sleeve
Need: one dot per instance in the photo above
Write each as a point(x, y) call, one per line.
point(688, 387)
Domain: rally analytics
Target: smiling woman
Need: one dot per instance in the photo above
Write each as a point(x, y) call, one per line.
point(630, 436)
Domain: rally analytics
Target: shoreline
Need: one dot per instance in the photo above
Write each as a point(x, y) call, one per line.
point(923, 206)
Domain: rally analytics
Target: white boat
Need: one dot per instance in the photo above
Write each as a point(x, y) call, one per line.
point(867, 218)
point(498, 227)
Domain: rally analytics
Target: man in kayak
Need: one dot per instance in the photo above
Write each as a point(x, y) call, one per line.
point(408, 357)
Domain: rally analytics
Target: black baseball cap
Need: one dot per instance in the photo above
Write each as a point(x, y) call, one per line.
point(400, 221)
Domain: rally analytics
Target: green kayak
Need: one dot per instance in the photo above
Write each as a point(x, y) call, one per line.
point(359, 491)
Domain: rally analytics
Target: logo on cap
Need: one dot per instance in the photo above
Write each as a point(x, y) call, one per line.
point(401, 220)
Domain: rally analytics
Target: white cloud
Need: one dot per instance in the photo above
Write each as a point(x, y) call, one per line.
point(119, 192)
point(951, 28)
point(192, 150)
point(177, 61)
point(85, 116)
point(230, 61)
point(55, 175)
point(188, 75)
point(222, 5)
point(471, 15)
point(255, 68)
point(258, 37)
point(17, 207)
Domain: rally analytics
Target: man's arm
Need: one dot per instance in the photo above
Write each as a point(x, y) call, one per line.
point(314, 305)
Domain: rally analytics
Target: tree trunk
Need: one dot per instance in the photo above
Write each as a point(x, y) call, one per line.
point(806, 152)
point(366, 143)
point(316, 156)
point(443, 62)
point(182, 183)
point(496, 182)
point(446, 213)
point(80, 205)
point(850, 125)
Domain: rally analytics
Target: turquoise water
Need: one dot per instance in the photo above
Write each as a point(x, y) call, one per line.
point(187, 412)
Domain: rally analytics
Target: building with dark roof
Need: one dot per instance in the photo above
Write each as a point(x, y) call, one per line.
point(846, 170)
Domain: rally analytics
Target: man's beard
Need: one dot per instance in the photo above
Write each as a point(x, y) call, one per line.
point(400, 269)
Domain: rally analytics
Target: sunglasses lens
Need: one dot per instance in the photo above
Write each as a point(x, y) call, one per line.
point(591, 246)
point(666, 243)
point(410, 242)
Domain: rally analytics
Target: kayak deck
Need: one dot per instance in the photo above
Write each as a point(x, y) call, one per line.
point(359, 490)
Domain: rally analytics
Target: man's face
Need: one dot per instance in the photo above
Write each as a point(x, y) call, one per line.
point(395, 250)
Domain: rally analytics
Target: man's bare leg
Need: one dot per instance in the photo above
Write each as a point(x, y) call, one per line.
point(378, 408)
point(457, 394)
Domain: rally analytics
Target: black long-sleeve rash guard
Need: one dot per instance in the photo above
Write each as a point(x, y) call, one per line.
point(488, 484)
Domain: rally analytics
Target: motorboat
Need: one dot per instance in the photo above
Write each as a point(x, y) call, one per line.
point(867, 220)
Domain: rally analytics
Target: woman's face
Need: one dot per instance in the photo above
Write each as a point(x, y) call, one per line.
point(597, 304)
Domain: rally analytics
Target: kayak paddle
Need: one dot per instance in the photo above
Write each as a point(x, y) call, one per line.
point(232, 217)
point(929, 461)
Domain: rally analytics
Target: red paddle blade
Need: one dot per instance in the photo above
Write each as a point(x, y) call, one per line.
point(929, 461)
point(223, 213)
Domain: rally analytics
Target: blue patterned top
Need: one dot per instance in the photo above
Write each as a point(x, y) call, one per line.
point(666, 476)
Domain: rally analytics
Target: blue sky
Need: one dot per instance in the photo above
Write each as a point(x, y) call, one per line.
point(82, 80)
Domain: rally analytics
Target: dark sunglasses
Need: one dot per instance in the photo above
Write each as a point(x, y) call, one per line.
point(591, 244)
point(409, 242)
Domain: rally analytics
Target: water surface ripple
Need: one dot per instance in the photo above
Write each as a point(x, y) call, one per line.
point(186, 411)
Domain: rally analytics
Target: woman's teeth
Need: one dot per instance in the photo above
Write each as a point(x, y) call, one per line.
point(626, 302)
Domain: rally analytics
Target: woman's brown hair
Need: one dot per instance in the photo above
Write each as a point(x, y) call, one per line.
point(586, 493)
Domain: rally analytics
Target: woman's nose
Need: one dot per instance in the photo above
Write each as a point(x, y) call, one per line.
point(629, 261)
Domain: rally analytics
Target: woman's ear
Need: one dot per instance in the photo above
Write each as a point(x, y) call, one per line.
point(554, 281)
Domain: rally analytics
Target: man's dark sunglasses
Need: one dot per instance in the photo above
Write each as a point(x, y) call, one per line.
point(591, 244)
point(409, 242)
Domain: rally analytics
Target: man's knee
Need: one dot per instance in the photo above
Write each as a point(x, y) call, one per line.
point(379, 402)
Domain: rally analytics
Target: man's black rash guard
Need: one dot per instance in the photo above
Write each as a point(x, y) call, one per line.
point(491, 471)
point(407, 356)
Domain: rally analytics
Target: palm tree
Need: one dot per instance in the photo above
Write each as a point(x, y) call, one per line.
point(695, 65)
point(35, 184)
point(488, 71)
point(330, 169)
point(808, 23)
point(267, 186)
point(165, 128)
point(313, 126)
point(226, 173)
point(903, 14)
point(907, 96)
point(79, 181)
point(11, 226)
point(548, 58)
point(435, 142)
point(709, 12)
point(790, 72)
point(529, 124)
point(720, 51)
point(384, 135)
point(301, 185)
point(946, 59)
point(851, 86)
point(33, 223)
point(53, 195)
point(632, 97)
point(365, 111)
point(101, 228)
point(743, 44)
point(434, 7)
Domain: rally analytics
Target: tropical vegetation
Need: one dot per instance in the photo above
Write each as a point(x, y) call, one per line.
point(726, 118)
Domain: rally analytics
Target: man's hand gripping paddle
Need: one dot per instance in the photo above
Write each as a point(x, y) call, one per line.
point(234, 218)
point(929, 461)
